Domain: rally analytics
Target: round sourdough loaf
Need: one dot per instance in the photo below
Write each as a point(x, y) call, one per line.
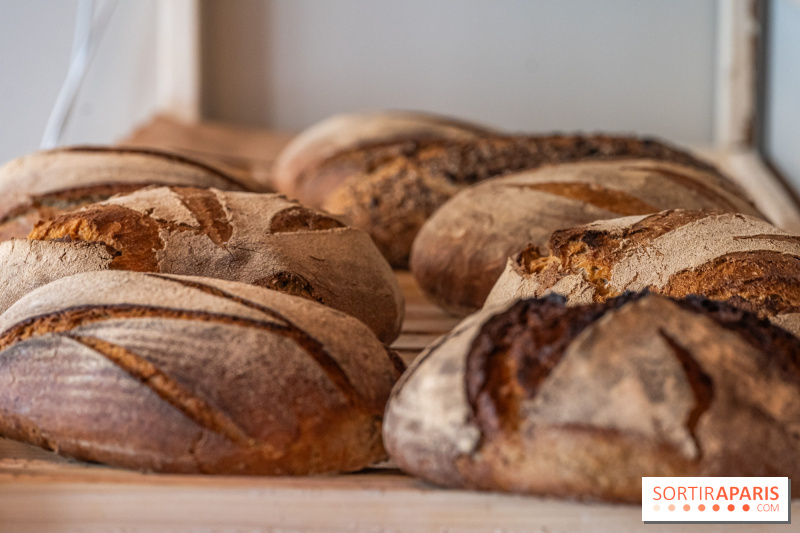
point(192, 375)
point(44, 184)
point(391, 190)
point(581, 402)
point(722, 256)
point(300, 168)
point(462, 249)
point(262, 239)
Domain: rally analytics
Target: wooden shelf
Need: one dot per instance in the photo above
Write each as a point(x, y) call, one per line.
point(41, 492)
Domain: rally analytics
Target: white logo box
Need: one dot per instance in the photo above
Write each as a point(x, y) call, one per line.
point(693, 499)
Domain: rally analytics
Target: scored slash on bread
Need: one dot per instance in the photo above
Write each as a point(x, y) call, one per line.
point(44, 184)
point(295, 171)
point(581, 402)
point(462, 249)
point(262, 239)
point(387, 172)
point(390, 190)
point(722, 256)
point(192, 375)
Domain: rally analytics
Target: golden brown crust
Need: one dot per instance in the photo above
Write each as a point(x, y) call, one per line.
point(45, 184)
point(400, 198)
point(597, 195)
point(19, 221)
point(461, 251)
point(582, 402)
point(347, 132)
point(261, 239)
point(390, 189)
point(721, 256)
point(763, 282)
point(134, 236)
point(300, 389)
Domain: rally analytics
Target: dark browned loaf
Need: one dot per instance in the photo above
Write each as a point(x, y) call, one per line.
point(581, 402)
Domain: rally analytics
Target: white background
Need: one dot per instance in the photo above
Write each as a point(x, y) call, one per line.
point(35, 45)
point(625, 65)
point(622, 65)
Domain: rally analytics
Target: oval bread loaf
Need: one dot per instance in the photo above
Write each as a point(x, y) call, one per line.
point(581, 402)
point(192, 375)
point(295, 172)
point(43, 184)
point(722, 256)
point(391, 190)
point(263, 239)
point(462, 249)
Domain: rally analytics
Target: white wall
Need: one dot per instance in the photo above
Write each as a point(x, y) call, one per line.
point(782, 134)
point(35, 43)
point(625, 65)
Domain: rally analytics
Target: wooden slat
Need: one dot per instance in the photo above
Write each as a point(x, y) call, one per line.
point(747, 169)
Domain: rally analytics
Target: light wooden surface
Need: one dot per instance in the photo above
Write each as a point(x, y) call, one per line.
point(178, 59)
point(736, 80)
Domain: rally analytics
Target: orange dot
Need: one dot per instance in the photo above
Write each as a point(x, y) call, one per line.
point(701, 507)
point(716, 507)
point(671, 507)
point(746, 507)
point(656, 507)
point(687, 507)
point(731, 507)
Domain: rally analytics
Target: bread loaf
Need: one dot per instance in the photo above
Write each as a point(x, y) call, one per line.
point(191, 375)
point(295, 172)
point(44, 184)
point(26, 265)
point(581, 402)
point(391, 190)
point(462, 249)
point(263, 239)
point(719, 255)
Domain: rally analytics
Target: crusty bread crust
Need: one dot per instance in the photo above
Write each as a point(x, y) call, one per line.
point(44, 184)
point(581, 402)
point(460, 251)
point(678, 252)
point(345, 132)
point(191, 375)
point(390, 190)
point(26, 265)
point(263, 239)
